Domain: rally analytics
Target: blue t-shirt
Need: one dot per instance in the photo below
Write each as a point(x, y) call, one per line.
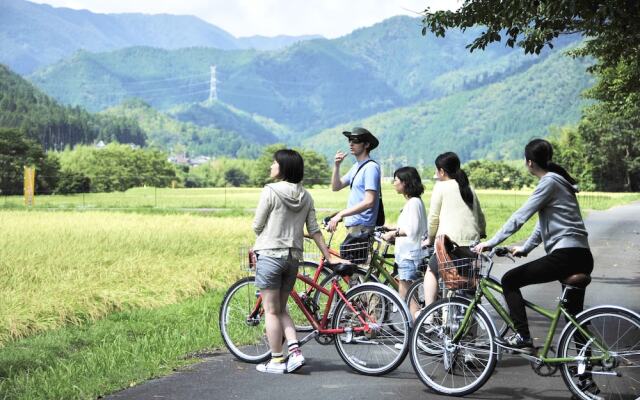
point(367, 179)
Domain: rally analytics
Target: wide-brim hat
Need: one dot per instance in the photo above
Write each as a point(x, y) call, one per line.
point(364, 135)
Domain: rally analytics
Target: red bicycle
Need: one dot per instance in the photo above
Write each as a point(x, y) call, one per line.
point(369, 323)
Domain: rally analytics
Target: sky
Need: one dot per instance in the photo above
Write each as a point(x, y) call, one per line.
point(329, 18)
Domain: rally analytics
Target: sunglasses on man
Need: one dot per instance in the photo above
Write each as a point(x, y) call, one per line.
point(355, 140)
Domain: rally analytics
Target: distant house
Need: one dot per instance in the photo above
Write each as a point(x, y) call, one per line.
point(199, 160)
point(182, 159)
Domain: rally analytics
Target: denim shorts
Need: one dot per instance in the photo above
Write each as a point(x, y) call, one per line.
point(408, 270)
point(276, 273)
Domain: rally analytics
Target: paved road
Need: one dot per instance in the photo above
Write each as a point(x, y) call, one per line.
point(615, 241)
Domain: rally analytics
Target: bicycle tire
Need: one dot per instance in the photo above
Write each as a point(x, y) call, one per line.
point(618, 330)
point(381, 350)
point(449, 371)
point(416, 293)
point(246, 339)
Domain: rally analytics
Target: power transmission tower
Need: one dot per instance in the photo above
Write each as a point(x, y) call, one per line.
point(213, 92)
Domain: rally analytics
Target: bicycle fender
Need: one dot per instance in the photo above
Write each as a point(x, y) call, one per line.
point(392, 292)
point(568, 324)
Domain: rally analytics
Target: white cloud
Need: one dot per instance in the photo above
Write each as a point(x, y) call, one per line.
point(330, 18)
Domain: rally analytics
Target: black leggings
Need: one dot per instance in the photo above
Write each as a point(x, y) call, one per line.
point(557, 265)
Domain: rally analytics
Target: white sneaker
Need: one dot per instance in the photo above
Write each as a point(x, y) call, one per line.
point(272, 367)
point(295, 361)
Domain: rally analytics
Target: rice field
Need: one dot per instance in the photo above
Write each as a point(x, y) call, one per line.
point(61, 268)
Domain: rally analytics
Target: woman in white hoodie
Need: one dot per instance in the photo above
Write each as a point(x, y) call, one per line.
point(284, 208)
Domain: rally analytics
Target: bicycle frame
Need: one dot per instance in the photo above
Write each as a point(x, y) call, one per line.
point(320, 325)
point(380, 265)
point(484, 289)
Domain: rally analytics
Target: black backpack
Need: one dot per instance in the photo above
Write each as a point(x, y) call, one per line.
point(380, 217)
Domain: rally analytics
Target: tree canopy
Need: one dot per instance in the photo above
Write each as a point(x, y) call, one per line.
point(611, 25)
point(609, 133)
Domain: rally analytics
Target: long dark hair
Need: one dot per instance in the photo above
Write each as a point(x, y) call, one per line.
point(410, 177)
point(450, 163)
point(540, 151)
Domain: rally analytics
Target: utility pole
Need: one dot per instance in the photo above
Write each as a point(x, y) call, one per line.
point(213, 92)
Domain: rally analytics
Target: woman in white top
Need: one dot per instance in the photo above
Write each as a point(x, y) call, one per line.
point(454, 211)
point(412, 225)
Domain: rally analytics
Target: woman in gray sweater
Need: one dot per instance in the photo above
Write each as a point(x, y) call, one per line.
point(284, 208)
point(560, 228)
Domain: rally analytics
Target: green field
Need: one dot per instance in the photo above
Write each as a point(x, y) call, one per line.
point(76, 271)
point(68, 267)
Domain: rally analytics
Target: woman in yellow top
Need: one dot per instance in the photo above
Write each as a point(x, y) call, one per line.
point(454, 211)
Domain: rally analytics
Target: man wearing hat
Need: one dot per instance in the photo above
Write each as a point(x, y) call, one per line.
point(364, 180)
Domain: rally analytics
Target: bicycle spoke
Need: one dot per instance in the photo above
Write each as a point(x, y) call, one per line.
point(618, 331)
point(446, 367)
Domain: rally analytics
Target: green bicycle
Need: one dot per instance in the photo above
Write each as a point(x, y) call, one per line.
point(454, 351)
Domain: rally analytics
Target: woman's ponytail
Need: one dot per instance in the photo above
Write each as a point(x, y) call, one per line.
point(553, 167)
point(450, 163)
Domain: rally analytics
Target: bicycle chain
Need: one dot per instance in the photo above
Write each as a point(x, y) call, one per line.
point(545, 369)
point(325, 339)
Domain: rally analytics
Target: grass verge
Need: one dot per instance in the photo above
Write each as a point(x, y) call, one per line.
point(121, 350)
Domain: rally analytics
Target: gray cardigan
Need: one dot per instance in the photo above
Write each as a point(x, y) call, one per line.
point(282, 212)
point(559, 224)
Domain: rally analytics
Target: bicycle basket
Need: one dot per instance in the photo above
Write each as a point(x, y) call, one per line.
point(248, 259)
point(357, 251)
point(462, 273)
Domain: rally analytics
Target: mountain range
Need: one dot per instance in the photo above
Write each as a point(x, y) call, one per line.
point(33, 35)
point(421, 95)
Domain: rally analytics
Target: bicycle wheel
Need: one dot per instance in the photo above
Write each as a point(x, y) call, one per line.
point(381, 349)
point(452, 368)
point(416, 293)
point(307, 268)
point(242, 329)
point(617, 330)
point(320, 299)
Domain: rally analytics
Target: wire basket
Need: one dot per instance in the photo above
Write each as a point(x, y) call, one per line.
point(460, 274)
point(248, 259)
point(357, 253)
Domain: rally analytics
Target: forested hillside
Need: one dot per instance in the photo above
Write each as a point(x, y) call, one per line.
point(493, 122)
point(33, 35)
point(308, 87)
point(223, 117)
point(166, 132)
point(55, 126)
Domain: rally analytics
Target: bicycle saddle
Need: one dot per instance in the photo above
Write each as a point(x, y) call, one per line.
point(577, 280)
point(343, 269)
